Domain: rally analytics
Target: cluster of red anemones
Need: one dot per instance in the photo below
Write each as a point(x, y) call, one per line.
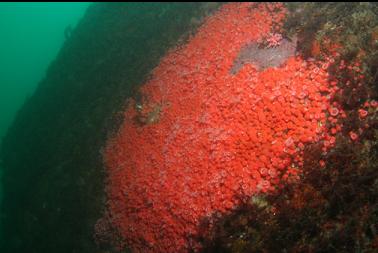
point(369, 107)
point(210, 137)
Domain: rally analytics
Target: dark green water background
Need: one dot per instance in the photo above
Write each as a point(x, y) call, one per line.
point(31, 36)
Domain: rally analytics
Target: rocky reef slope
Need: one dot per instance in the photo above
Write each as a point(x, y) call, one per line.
point(53, 178)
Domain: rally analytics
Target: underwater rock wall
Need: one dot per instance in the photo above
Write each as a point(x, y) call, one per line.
point(202, 139)
point(53, 176)
point(311, 114)
point(235, 115)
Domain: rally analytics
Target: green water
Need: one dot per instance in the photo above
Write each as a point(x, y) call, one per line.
point(31, 36)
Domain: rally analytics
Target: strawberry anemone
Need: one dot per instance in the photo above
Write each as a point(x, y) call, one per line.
point(206, 136)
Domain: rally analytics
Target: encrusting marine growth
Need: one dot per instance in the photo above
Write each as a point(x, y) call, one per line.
point(202, 138)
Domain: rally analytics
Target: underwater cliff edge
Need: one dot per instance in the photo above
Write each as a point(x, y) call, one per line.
point(53, 175)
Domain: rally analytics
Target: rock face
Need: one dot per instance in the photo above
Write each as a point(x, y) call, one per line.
point(266, 57)
point(211, 139)
point(53, 178)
